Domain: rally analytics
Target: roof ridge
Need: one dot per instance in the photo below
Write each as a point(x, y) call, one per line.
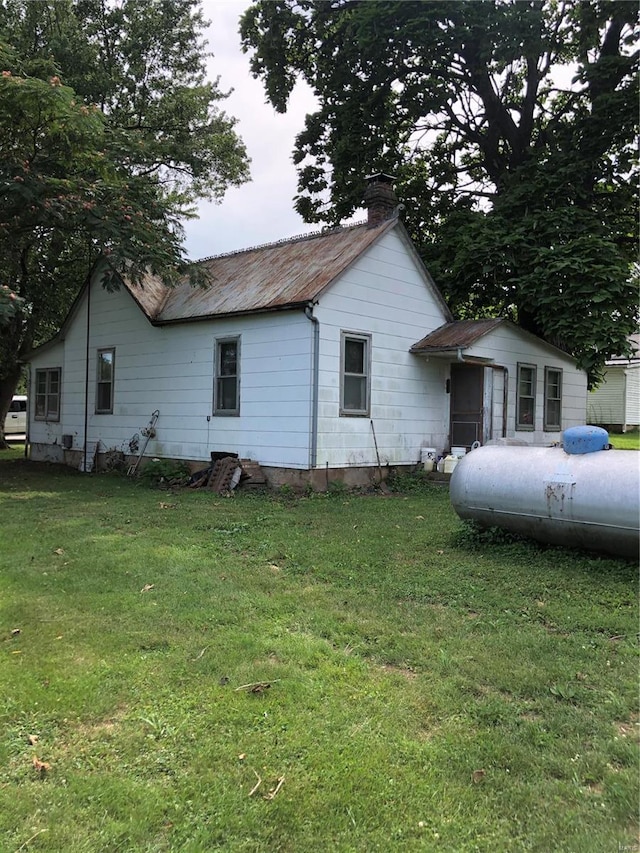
point(298, 238)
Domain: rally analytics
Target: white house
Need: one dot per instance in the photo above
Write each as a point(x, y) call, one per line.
point(327, 357)
point(615, 403)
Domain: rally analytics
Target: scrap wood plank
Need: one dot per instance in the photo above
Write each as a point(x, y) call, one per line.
point(253, 475)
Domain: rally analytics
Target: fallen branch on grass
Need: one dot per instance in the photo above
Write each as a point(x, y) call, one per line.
point(257, 686)
point(256, 786)
point(197, 657)
point(275, 790)
point(35, 835)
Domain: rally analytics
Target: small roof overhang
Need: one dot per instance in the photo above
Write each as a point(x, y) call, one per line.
point(452, 339)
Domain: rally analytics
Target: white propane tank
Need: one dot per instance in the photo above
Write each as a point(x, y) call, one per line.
point(585, 500)
point(428, 458)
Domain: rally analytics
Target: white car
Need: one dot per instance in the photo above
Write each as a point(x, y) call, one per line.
point(16, 420)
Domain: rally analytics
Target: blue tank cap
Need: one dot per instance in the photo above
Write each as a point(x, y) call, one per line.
point(585, 439)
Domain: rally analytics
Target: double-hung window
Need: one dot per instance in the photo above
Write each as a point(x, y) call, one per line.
point(226, 396)
point(48, 394)
point(526, 403)
point(105, 381)
point(355, 374)
point(552, 399)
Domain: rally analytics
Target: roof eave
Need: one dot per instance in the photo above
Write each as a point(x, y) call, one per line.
point(200, 318)
point(453, 353)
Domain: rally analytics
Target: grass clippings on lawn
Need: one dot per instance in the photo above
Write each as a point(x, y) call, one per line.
point(188, 672)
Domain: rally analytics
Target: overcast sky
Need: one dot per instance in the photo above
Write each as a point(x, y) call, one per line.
point(262, 210)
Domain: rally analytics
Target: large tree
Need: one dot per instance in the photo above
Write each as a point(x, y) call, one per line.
point(109, 133)
point(510, 127)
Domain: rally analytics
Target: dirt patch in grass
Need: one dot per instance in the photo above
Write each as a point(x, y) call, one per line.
point(94, 729)
point(630, 728)
point(532, 717)
point(394, 669)
point(428, 731)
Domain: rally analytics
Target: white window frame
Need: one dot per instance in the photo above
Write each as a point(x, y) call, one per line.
point(548, 426)
point(46, 412)
point(218, 377)
point(365, 339)
point(525, 426)
point(100, 382)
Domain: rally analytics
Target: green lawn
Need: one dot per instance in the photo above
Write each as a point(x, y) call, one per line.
point(625, 441)
point(332, 673)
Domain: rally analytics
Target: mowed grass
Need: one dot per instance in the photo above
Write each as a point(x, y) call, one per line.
point(331, 673)
point(625, 440)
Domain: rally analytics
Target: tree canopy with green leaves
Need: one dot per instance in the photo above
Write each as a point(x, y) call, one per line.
point(510, 127)
point(109, 133)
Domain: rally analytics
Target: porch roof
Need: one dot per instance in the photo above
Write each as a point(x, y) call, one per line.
point(454, 336)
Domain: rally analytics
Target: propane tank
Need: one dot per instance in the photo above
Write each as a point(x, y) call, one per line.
point(577, 499)
point(428, 458)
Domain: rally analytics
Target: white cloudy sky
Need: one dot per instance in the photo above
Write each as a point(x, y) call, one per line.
point(260, 211)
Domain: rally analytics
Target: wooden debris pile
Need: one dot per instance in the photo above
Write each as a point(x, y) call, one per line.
point(226, 472)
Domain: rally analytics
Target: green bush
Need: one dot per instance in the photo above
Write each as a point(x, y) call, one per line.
point(161, 473)
point(410, 482)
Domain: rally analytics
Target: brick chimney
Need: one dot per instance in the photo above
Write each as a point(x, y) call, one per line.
point(379, 199)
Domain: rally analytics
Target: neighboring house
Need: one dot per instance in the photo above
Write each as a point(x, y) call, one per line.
point(615, 403)
point(326, 357)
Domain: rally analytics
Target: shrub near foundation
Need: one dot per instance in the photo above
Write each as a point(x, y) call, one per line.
point(164, 473)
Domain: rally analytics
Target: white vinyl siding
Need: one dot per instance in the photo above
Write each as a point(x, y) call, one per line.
point(384, 296)
point(632, 414)
point(171, 368)
point(616, 401)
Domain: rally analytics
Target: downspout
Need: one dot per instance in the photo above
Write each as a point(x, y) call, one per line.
point(313, 448)
point(86, 380)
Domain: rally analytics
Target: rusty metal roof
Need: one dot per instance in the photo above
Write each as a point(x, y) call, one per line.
point(275, 276)
point(457, 335)
point(150, 294)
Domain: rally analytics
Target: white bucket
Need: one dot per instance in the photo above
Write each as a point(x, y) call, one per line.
point(428, 458)
point(459, 452)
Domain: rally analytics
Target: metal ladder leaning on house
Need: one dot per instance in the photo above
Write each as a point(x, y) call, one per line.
point(148, 432)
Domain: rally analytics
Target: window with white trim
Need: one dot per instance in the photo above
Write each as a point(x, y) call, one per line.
point(526, 400)
point(226, 395)
point(355, 374)
point(552, 399)
point(105, 377)
point(47, 394)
